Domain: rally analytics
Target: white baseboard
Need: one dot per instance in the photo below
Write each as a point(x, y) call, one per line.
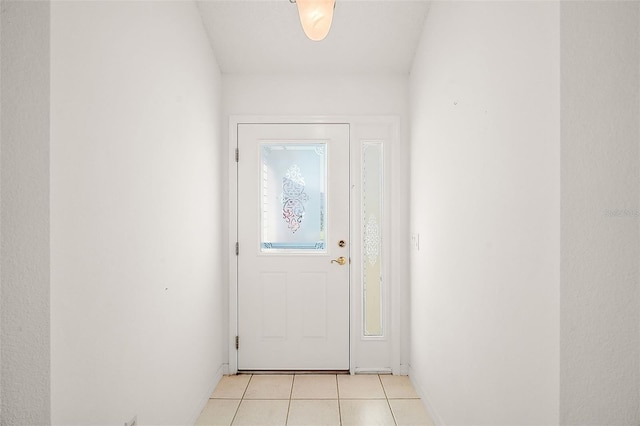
point(205, 398)
point(425, 398)
point(371, 371)
point(403, 371)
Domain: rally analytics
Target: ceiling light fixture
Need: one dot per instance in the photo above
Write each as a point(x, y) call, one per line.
point(315, 17)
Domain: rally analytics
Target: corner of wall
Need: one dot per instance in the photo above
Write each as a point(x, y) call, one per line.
point(600, 269)
point(24, 228)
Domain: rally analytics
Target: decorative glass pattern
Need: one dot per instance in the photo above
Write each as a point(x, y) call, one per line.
point(293, 196)
point(371, 218)
point(371, 240)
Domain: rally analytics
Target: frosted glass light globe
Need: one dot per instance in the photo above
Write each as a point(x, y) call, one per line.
point(316, 17)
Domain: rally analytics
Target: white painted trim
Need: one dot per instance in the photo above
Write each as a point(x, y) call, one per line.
point(437, 420)
point(233, 237)
point(385, 129)
point(354, 251)
point(398, 288)
point(390, 152)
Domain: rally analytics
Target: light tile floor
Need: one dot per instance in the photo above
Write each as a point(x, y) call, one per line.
point(314, 400)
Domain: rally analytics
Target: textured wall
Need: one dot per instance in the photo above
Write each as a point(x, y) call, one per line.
point(136, 288)
point(485, 202)
point(600, 305)
point(24, 213)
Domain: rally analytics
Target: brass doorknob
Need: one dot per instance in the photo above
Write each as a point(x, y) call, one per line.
point(340, 261)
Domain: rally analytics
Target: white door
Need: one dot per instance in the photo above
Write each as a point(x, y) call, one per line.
point(293, 235)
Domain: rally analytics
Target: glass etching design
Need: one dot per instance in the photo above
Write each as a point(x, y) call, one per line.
point(371, 240)
point(293, 193)
point(371, 219)
point(293, 198)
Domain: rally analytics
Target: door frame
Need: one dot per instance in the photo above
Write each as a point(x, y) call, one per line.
point(394, 294)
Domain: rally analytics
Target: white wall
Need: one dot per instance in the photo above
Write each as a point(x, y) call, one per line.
point(485, 202)
point(600, 305)
point(335, 95)
point(136, 304)
point(24, 214)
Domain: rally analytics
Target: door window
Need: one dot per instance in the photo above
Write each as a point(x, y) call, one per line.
point(293, 194)
point(371, 217)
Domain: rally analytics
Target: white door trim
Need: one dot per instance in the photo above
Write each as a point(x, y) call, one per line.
point(395, 293)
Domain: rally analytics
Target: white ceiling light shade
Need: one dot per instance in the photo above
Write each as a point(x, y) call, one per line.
point(316, 17)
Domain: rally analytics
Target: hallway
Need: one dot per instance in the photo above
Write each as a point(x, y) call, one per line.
point(513, 207)
point(314, 400)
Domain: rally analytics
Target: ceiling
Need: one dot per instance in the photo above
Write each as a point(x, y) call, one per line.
point(265, 37)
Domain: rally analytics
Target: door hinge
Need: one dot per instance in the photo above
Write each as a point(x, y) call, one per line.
point(237, 155)
point(237, 342)
point(237, 248)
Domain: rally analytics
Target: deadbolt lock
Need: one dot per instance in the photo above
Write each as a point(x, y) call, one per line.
point(342, 243)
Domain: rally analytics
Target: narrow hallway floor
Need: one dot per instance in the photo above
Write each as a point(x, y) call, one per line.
point(314, 400)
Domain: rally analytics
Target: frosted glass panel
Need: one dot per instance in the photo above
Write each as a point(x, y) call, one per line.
point(293, 197)
point(371, 204)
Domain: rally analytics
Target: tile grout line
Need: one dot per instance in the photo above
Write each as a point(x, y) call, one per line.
point(241, 399)
point(246, 388)
point(293, 380)
point(235, 413)
point(339, 406)
point(393, 416)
